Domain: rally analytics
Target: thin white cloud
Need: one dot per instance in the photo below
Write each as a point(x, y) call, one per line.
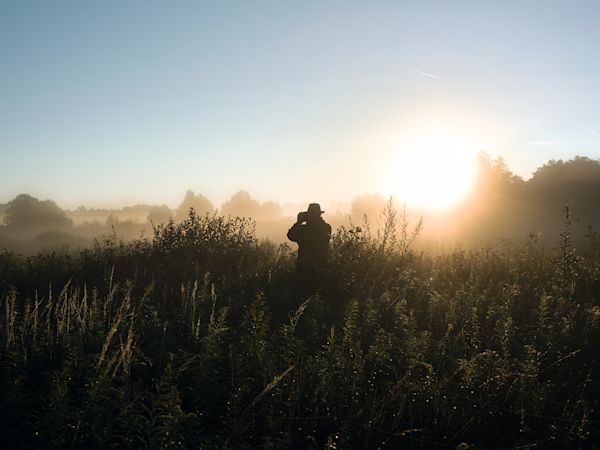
point(425, 74)
point(593, 132)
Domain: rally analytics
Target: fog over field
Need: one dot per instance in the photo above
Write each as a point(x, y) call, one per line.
point(499, 205)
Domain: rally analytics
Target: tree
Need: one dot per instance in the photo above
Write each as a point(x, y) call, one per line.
point(495, 181)
point(575, 182)
point(199, 203)
point(496, 206)
point(160, 214)
point(28, 215)
point(571, 180)
point(241, 204)
point(271, 210)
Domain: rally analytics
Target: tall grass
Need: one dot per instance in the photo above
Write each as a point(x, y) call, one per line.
point(198, 338)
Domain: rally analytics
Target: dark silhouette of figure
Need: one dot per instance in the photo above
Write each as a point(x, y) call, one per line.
point(312, 234)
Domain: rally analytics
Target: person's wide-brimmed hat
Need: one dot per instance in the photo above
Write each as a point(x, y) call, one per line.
point(314, 209)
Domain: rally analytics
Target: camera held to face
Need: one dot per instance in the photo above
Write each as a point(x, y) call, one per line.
point(302, 216)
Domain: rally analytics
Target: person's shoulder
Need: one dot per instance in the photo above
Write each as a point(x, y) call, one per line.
point(297, 227)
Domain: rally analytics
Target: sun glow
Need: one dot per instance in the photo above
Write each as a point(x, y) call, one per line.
point(433, 169)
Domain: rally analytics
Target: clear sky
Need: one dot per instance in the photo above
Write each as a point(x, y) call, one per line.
point(110, 103)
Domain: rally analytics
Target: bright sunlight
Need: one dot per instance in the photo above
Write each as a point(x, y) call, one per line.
point(433, 169)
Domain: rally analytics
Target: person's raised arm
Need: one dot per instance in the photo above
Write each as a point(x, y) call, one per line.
point(296, 230)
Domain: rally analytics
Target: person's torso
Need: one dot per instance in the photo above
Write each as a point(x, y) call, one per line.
point(314, 244)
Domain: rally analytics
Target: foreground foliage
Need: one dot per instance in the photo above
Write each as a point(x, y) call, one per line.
point(202, 337)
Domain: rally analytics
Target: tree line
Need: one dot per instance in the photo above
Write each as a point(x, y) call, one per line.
point(501, 205)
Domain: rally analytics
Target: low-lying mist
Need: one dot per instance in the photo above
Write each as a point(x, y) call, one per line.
point(501, 206)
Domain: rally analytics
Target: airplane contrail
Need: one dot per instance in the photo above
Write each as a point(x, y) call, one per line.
point(425, 74)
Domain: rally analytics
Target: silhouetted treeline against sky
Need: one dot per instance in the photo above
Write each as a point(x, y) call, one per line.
point(500, 205)
point(504, 205)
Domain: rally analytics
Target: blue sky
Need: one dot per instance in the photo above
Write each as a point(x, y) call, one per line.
point(113, 103)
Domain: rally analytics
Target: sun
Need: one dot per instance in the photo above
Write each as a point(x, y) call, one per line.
point(433, 169)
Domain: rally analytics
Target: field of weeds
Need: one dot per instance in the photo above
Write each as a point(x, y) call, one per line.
point(203, 337)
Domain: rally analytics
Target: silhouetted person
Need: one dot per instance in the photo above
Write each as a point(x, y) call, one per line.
point(312, 234)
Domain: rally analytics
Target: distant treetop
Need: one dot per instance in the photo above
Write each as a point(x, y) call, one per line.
point(198, 202)
point(27, 214)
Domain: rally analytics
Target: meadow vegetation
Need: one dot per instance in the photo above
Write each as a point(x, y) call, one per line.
point(500, 204)
point(197, 337)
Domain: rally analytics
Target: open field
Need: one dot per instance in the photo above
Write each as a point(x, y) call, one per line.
point(202, 337)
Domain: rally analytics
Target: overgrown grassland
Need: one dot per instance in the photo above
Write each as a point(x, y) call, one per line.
point(201, 338)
